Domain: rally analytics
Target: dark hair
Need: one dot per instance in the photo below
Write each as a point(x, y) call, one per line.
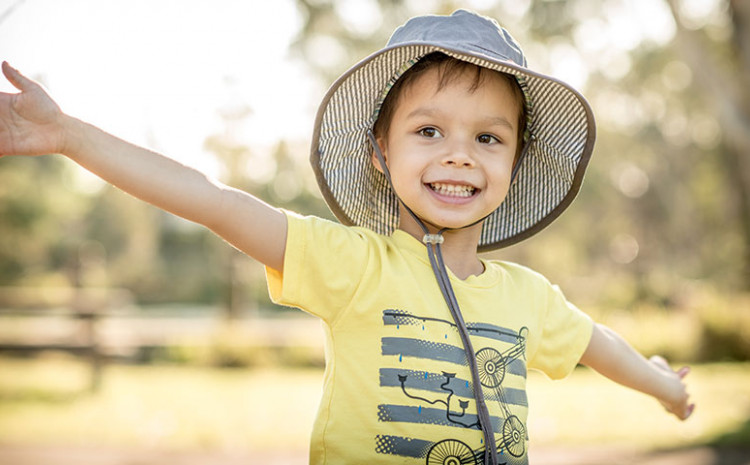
point(450, 68)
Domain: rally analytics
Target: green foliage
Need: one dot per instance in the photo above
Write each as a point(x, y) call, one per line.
point(705, 326)
point(39, 218)
point(736, 438)
point(725, 329)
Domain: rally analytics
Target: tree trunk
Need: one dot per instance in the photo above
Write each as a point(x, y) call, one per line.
point(728, 88)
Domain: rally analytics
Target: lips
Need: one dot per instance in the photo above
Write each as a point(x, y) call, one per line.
point(453, 190)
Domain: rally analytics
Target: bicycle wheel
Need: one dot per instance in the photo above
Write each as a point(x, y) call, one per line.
point(514, 436)
point(450, 452)
point(491, 367)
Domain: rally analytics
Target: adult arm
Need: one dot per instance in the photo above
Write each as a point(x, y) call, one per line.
point(609, 354)
point(31, 123)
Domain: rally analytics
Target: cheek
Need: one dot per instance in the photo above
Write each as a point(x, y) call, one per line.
point(502, 172)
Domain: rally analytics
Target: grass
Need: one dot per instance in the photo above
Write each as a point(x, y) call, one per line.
point(44, 401)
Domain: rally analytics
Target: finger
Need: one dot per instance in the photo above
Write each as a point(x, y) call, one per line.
point(683, 372)
point(18, 80)
point(684, 414)
point(690, 410)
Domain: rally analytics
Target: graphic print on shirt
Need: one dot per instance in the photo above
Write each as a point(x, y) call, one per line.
point(445, 399)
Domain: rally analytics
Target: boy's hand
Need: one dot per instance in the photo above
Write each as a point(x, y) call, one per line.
point(678, 401)
point(30, 121)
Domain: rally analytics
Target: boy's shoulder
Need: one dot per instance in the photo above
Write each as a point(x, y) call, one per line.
point(330, 236)
point(519, 273)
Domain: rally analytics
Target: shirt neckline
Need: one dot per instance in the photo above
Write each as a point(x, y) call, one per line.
point(413, 246)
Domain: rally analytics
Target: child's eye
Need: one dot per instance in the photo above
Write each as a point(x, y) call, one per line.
point(429, 132)
point(487, 139)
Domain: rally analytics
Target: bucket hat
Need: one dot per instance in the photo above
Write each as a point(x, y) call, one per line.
point(558, 144)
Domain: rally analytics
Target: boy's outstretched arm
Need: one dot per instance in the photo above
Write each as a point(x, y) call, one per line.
point(610, 355)
point(31, 123)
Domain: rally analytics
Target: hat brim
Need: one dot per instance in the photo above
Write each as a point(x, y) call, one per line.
point(560, 122)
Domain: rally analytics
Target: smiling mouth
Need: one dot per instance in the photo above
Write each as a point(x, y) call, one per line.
point(452, 190)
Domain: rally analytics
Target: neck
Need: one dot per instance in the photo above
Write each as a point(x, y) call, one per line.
point(459, 246)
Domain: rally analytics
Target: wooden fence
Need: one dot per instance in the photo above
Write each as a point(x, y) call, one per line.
point(85, 306)
point(100, 324)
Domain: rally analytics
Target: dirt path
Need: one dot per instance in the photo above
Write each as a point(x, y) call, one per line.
point(62, 455)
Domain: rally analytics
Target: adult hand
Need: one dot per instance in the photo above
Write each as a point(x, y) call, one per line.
point(31, 123)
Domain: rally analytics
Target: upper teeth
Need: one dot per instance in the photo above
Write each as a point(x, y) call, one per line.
point(452, 189)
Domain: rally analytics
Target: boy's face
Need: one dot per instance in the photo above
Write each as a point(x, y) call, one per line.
point(450, 152)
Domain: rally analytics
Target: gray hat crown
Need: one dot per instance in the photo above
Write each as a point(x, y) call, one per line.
point(461, 31)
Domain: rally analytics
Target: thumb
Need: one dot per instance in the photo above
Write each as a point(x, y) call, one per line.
point(18, 80)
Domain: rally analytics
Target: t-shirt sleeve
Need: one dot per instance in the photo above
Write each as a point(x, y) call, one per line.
point(565, 335)
point(323, 265)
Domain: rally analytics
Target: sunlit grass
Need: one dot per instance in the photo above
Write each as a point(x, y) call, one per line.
point(46, 402)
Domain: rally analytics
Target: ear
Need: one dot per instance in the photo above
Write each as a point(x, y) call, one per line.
point(383, 150)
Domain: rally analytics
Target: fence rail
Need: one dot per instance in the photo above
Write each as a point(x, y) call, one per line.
point(85, 305)
point(104, 324)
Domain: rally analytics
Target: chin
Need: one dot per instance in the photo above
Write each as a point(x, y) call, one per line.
point(455, 224)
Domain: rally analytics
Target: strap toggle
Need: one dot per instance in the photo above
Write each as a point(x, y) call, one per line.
point(433, 239)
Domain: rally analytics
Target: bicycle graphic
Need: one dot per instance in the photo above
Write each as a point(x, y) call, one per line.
point(492, 366)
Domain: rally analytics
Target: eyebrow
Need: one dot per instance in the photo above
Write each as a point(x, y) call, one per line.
point(500, 121)
point(422, 111)
point(490, 120)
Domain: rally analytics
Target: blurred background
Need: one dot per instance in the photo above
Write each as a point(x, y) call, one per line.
point(128, 335)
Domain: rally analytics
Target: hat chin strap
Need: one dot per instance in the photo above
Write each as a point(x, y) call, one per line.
point(435, 253)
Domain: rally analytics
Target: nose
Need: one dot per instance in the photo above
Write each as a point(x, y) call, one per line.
point(459, 155)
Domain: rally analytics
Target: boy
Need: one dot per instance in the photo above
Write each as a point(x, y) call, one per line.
point(439, 145)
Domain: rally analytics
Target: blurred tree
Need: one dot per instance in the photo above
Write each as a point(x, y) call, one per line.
point(235, 157)
point(40, 221)
point(275, 177)
point(719, 56)
point(128, 230)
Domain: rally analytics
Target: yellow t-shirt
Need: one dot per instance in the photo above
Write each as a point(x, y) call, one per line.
point(397, 386)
